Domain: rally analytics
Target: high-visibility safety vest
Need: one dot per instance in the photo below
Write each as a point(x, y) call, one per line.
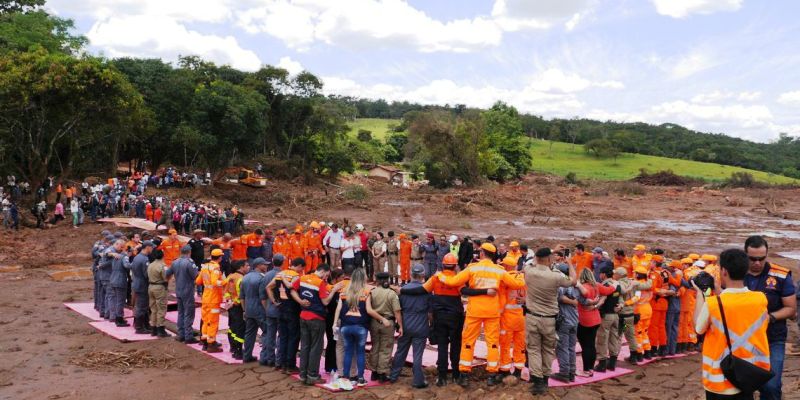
point(746, 315)
point(213, 283)
point(483, 274)
point(310, 285)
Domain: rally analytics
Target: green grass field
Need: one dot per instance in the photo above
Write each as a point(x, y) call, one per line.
point(566, 158)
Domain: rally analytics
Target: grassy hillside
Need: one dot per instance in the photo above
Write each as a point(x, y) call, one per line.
point(566, 158)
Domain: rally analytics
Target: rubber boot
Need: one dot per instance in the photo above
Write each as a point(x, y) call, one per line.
point(518, 373)
point(612, 363)
point(214, 348)
point(205, 344)
point(601, 366)
point(538, 386)
point(146, 324)
point(648, 354)
point(662, 351)
point(639, 357)
point(561, 377)
point(120, 322)
point(456, 375)
point(463, 379)
point(161, 331)
point(494, 379)
point(441, 380)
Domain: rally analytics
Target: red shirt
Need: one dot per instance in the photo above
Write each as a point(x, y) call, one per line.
point(323, 293)
point(363, 236)
point(589, 318)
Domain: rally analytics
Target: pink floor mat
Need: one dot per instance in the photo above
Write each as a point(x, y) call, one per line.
point(88, 311)
point(123, 334)
point(223, 319)
point(225, 356)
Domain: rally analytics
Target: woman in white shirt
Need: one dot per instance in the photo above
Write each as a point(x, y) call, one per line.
point(348, 251)
point(74, 208)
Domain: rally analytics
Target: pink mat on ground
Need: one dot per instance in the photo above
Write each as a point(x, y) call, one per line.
point(225, 356)
point(625, 352)
point(223, 319)
point(88, 311)
point(328, 387)
point(123, 334)
point(597, 377)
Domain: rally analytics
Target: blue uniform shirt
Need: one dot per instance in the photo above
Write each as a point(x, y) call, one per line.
point(252, 291)
point(776, 283)
point(415, 312)
point(139, 273)
point(272, 310)
point(119, 272)
point(185, 273)
point(104, 265)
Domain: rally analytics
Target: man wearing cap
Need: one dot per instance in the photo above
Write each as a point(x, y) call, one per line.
point(157, 294)
point(414, 329)
point(640, 258)
point(198, 243)
point(139, 286)
point(104, 275)
point(213, 283)
point(253, 241)
point(97, 249)
point(687, 337)
point(269, 328)
point(567, 325)
point(171, 247)
point(252, 293)
point(776, 283)
point(630, 290)
point(185, 273)
point(233, 302)
point(644, 310)
point(600, 260)
point(386, 303)
point(514, 251)
point(297, 247)
point(313, 247)
point(713, 269)
point(482, 310)
point(608, 343)
point(542, 285)
point(281, 244)
point(581, 259)
point(279, 290)
point(678, 285)
point(362, 257)
point(660, 302)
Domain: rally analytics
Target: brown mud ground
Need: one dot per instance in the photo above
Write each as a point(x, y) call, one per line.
point(42, 339)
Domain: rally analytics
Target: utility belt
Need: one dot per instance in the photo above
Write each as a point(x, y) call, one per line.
point(417, 259)
point(623, 316)
point(392, 253)
point(165, 284)
point(543, 316)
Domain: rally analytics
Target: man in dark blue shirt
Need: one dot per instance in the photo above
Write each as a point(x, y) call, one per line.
point(185, 273)
point(139, 286)
point(776, 283)
point(415, 329)
point(253, 296)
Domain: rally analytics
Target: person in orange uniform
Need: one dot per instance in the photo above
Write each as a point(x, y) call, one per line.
point(482, 310)
point(235, 311)
point(640, 258)
point(512, 322)
point(405, 258)
point(694, 257)
point(281, 245)
point(253, 241)
point(225, 243)
point(210, 277)
point(171, 247)
point(313, 247)
point(148, 213)
point(658, 324)
point(581, 259)
point(643, 307)
point(238, 249)
point(622, 261)
point(712, 268)
point(514, 251)
point(296, 249)
point(687, 337)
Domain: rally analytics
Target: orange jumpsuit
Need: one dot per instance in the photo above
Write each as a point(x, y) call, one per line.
point(686, 332)
point(238, 249)
point(148, 213)
point(313, 249)
point(210, 277)
point(581, 261)
point(645, 311)
point(405, 260)
point(514, 254)
point(171, 249)
point(482, 311)
point(658, 325)
point(512, 325)
point(281, 246)
point(296, 247)
point(636, 261)
point(624, 262)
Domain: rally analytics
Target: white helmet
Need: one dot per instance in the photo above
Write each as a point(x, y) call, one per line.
point(453, 238)
point(359, 227)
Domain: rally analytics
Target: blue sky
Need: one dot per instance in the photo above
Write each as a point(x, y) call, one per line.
point(723, 66)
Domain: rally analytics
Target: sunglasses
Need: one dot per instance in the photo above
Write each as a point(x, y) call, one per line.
point(757, 259)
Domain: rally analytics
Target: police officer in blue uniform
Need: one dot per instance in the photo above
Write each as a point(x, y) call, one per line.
point(776, 283)
point(185, 273)
point(415, 329)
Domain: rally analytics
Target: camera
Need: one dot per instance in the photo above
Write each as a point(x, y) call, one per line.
point(704, 281)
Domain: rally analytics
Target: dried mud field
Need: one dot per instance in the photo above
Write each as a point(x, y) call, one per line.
point(45, 347)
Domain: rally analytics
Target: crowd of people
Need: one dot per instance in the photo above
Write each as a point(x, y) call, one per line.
point(304, 286)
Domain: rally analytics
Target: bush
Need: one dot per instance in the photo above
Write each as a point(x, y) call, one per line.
point(364, 135)
point(396, 142)
point(663, 178)
point(571, 178)
point(741, 180)
point(356, 192)
point(628, 189)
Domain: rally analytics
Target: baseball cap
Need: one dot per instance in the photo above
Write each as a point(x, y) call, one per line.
point(259, 261)
point(489, 247)
point(639, 247)
point(700, 264)
point(147, 243)
point(452, 238)
point(598, 250)
point(172, 231)
point(216, 253)
point(687, 260)
point(514, 244)
point(418, 269)
point(620, 271)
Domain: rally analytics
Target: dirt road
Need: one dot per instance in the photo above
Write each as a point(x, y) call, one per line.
point(42, 339)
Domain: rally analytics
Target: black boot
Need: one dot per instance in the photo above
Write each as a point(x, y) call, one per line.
point(601, 366)
point(639, 357)
point(441, 380)
point(648, 354)
point(456, 375)
point(463, 379)
point(161, 331)
point(120, 322)
point(662, 351)
point(537, 386)
point(612, 363)
point(545, 382)
point(205, 344)
point(561, 377)
point(518, 373)
point(494, 379)
point(146, 324)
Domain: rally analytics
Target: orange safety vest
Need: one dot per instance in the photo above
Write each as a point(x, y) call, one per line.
point(238, 249)
point(511, 301)
point(436, 287)
point(210, 277)
point(171, 249)
point(746, 315)
point(484, 274)
point(295, 247)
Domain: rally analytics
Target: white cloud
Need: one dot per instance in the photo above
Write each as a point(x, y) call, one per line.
point(692, 63)
point(151, 36)
point(684, 8)
point(556, 80)
point(790, 98)
point(184, 10)
point(692, 114)
point(294, 67)
point(514, 15)
point(717, 96)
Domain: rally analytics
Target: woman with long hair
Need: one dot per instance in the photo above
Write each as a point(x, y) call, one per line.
point(589, 300)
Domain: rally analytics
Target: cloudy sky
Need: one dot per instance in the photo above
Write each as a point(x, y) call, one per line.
point(723, 66)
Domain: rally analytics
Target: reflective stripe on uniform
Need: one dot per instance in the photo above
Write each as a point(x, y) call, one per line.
point(513, 306)
point(309, 286)
point(465, 363)
point(215, 310)
point(492, 363)
point(519, 365)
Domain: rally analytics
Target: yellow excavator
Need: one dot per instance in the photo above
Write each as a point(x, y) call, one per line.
point(243, 176)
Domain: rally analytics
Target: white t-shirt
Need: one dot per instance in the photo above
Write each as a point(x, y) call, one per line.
point(334, 239)
point(349, 246)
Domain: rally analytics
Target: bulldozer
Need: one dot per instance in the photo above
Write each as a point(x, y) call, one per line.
point(242, 176)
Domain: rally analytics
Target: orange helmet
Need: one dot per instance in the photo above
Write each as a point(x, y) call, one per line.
point(450, 259)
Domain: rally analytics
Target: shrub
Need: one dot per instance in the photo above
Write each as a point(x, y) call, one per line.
point(741, 180)
point(364, 135)
point(356, 192)
point(571, 178)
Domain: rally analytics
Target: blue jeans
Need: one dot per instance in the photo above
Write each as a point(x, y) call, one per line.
point(777, 353)
point(269, 342)
point(355, 339)
point(251, 327)
point(289, 332)
point(185, 317)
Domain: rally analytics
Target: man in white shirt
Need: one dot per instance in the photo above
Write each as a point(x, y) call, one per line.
point(6, 212)
point(333, 243)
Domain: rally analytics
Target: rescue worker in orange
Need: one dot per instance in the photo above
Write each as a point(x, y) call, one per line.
point(645, 311)
point(238, 249)
point(737, 313)
point(623, 261)
point(482, 310)
point(148, 214)
point(225, 243)
point(296, 249)
point(687, 337)
point(658, 324)
point(581, 259)
point(640, 258)
point(281, 245)
point(512, 323)
point(213, 283)
point(405, 258)
point(514, 252)
point(712, 269)
point(253, 241)
point(313, 247)
point(171, 247)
